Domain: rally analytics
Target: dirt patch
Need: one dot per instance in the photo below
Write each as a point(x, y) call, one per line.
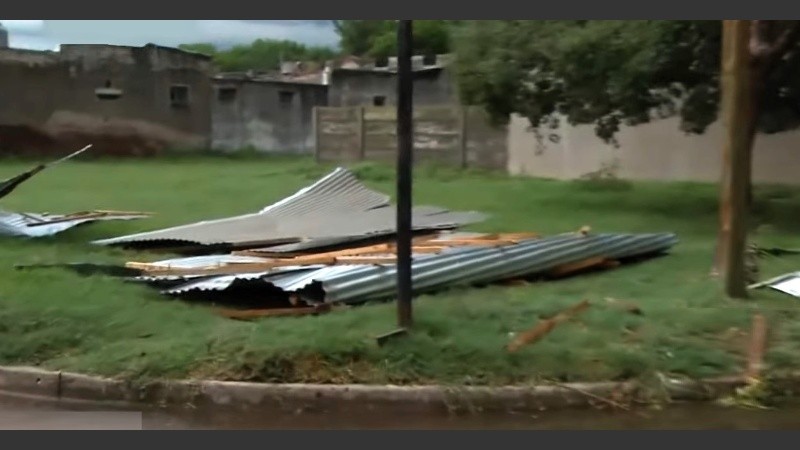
point(109, 137)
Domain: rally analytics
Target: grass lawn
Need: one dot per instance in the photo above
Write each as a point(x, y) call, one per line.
point(101, 325)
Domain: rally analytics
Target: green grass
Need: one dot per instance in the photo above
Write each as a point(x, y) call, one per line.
point(101, 325)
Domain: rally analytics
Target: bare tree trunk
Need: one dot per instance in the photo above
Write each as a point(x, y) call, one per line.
point(769, 40)
point(739, 113)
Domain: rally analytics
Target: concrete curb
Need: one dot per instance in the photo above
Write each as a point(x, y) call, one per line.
point(63, 386)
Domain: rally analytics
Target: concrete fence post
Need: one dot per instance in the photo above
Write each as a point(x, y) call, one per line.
point(462, 135)
point(362, 150)
point(315, 131)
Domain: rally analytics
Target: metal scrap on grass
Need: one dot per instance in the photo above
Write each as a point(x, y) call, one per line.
point(33, 225)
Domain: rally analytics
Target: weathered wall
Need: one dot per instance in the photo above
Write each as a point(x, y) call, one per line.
point(450, 135)
point(654, 151)
point(257, 117)
point(349, 87)
point(52, 96)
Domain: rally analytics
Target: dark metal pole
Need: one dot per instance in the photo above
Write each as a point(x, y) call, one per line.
point(404, 163)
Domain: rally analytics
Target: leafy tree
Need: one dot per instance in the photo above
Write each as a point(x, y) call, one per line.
point(356, 37)
point(610, 73)
point(378, 38)
point(261, 54)
point(201, 47)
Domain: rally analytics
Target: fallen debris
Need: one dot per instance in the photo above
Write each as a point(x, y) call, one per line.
point(543, 328)
point(34, 225)
point(249, 314)
point(9, 185)
point(338, 208)
point(318, 280)
point(787, 283)
point(382, 339)
point(630, 307)
point(334, 242)
point(588, 394)
point(86, 269)
point(368, 273)
point(580, 266)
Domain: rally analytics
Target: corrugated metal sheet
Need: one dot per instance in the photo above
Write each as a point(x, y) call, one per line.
point(220, 283)
point(336, 241)
point(38, 225)
point(339, 191)
point(337, 205)
point(788, 283)
point(483, 265)
point(204, 261)
point(458, 266)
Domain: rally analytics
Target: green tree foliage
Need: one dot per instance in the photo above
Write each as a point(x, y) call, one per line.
point(378, 38)
point(610, 73)
point(262, 54)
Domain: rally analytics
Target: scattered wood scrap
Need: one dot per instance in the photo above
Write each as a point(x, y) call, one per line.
point(630, 307)
point(593, 396)
point(598, 262)
point(250, 314)
point(385, 253)
point(546, 326)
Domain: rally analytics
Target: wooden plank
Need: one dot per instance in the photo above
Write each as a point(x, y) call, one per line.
point(248, 314)
point(577, 266)
point(240, 267)
point(365, 250)
point(546, 326)
point(366, 259)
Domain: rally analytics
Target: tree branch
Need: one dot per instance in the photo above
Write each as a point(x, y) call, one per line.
point(786, 39)
point(759, 39)
point(763, 49)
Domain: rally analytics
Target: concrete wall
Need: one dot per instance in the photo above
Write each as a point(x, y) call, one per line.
point(450, 135)
point(357, 87)
point(49, 99)
point(257, 117)
point(654, 151)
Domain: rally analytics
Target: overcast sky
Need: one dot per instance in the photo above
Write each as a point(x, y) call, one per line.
point(48, 34)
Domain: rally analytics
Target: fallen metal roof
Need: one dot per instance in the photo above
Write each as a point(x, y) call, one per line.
point(788, 283)
point(9, 185)
point(335, 206)
point(455, 266)
point(39, 225)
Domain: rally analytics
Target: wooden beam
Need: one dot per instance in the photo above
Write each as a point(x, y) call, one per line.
point(546, 326)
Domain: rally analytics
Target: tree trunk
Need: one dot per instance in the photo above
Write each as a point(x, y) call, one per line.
point(739, 113)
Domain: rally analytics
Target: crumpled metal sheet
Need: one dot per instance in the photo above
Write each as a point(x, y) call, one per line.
point(34, 225)
point(788, 283)
point(454, 266)
point(9, 185)
point(196, 262)
point(220, 283)
point(338, 192)
point(336, 207)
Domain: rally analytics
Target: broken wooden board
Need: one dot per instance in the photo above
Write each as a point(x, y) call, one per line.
point(546, 326)
point(598, 262)
point(250, 314)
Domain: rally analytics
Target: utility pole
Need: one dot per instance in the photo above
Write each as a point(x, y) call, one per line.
point(738, 109)
point(405, 143)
